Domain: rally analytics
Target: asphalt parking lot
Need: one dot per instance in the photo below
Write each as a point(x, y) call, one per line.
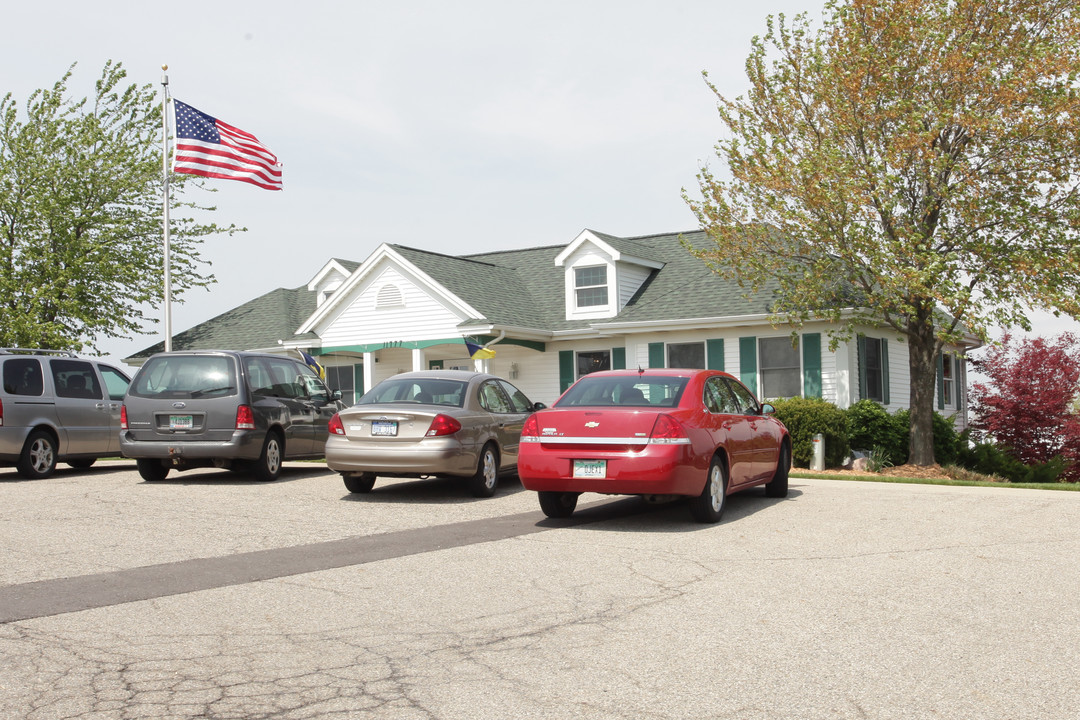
point(212, 596)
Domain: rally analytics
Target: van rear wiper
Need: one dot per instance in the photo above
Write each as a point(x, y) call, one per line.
point(200, 393)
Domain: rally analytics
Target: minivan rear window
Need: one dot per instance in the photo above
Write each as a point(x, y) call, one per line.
point(22, 376)
point(186, 376)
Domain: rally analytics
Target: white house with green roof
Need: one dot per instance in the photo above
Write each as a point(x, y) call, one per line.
point(554, 313)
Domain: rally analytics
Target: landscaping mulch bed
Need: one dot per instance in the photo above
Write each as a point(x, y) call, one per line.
point(927, 472)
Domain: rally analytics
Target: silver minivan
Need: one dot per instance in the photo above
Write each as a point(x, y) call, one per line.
point(55, 406)
point(243, 411)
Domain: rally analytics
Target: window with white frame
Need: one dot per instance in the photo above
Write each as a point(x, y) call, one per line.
point(590, 286)
point(780, 366)
point(686, 355)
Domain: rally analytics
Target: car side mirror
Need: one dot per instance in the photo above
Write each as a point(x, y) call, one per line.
point(335, 395)
point(538, 406)
point(767, 409)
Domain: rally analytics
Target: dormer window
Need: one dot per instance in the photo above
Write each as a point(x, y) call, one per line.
point(590, 285)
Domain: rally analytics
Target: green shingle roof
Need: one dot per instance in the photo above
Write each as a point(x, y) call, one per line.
point(526, 289)
point(522, 288)
point(258, 323)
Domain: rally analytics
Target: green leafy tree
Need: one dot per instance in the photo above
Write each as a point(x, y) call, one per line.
point(81, 216)
point(922, 156)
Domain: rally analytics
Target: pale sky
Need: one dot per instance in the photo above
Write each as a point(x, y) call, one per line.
point(455, 127)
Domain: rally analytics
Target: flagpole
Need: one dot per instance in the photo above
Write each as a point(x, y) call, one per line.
point(165, 203)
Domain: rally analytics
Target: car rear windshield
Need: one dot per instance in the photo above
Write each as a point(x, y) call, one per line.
point(423, 391)
point(637, 391)
point(186, 376)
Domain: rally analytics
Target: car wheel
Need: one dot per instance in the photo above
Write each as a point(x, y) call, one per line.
point(361, 483)
point(82, 464)
point(38, 458)
point(777, 487)
point(483, 483)
point(558, 504)
point(268, 466)
point(152, 470)
point(709, 505)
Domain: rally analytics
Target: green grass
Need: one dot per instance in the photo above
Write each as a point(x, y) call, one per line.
point(799, 473)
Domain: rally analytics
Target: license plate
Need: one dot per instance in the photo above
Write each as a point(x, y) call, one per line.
point(590, 468)
point(384, 427)
point(180, 422)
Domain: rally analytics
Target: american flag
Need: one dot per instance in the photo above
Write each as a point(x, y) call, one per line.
point(211, 148)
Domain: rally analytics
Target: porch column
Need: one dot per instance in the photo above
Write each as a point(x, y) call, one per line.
point(369, 370)
point(418, 359)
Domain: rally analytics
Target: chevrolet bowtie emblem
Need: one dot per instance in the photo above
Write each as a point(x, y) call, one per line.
point(592, 424)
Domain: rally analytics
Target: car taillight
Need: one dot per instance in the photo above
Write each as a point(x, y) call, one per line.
point(335, 427)
point(442, 425)
point(245, 418)
point(1, 413)
point(531, 428)
point(668, 430)
point(123, 417)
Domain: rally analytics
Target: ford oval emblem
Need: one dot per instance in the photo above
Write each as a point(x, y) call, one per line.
point(179, 405)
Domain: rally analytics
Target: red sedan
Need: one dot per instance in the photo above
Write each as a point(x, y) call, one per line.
point(656, 433)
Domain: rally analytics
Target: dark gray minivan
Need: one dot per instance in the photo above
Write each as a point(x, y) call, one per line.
point(220, 408)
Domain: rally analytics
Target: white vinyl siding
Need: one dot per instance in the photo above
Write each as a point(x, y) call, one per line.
point(419, 316)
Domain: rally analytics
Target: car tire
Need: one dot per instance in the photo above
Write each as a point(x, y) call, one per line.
point(486, 479)
point(709, 505)
point(268, 467)
point(152, 470)
point(361, 483)
point(777, 487)
point(38, 458)
point(558, 504)
point(82, 464)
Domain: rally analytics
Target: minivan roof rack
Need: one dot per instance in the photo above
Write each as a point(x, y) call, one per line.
point(35, 351)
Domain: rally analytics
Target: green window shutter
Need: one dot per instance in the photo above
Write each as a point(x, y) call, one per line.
point(941, 381)
point(714, 354)
point(811, 364)
point(884, 371)
point(860, 345)
point(566, 369)
point(748, 362)
point(618, 358)
point(656, 355)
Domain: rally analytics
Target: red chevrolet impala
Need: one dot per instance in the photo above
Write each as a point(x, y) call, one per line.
point(655, 433)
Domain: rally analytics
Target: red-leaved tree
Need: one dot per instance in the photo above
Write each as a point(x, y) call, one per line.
point(1027, 406)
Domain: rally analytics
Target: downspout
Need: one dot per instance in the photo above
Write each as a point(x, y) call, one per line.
point(485, 366)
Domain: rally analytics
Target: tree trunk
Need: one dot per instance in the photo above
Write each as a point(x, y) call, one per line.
point(923, 349)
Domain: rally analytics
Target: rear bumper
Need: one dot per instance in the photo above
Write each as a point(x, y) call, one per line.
point(243, 445)
point(438, 456)
point(655, 470)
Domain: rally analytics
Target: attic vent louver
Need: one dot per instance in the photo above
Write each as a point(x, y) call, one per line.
point(389, 297)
